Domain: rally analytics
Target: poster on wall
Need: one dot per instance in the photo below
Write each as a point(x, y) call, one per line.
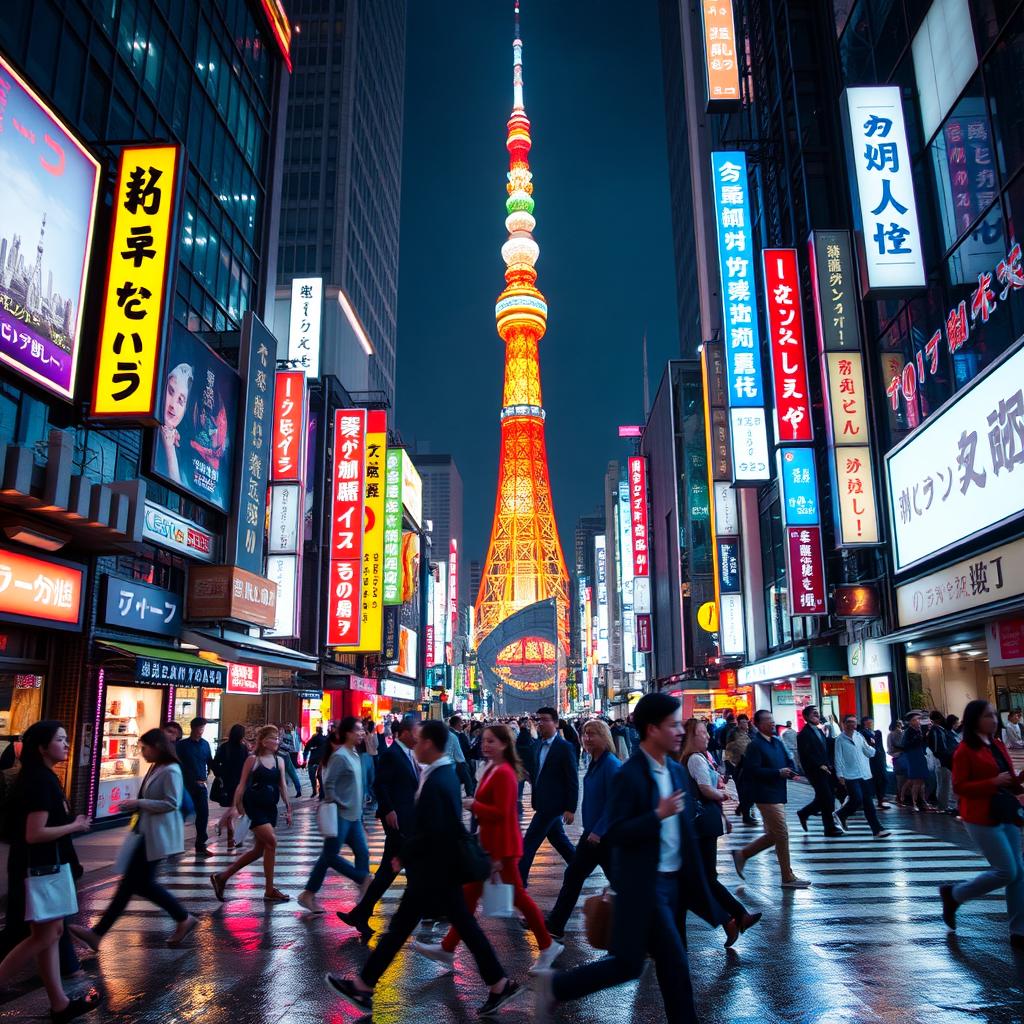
point(194, 446)
point(47, 211)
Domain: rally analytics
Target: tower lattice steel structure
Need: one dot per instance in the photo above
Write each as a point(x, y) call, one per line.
point(524, 559)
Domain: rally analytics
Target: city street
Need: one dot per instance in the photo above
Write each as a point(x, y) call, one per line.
point(864, 945)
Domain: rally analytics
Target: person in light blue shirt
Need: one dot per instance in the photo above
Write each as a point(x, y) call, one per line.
point(853, 756)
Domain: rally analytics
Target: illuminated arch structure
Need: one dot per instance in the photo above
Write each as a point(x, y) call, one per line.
point(516, 660)
point(524, 562)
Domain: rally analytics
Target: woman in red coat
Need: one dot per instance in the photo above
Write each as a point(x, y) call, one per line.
point(495, 806)
point(990, 807)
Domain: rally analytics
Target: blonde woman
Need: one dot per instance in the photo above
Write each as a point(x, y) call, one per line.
point(176, 394)
point(261, 785)
point(591, 851)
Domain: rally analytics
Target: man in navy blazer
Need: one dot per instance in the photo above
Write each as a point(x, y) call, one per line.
point(656, 871)
point(395, 789)
point(555, 792)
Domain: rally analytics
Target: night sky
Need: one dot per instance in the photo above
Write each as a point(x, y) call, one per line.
point(594, 97)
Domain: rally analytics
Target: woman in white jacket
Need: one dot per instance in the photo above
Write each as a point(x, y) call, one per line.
point(157, 831)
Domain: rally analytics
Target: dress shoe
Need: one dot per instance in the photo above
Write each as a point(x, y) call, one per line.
point(732, 932)
point(803, 820)
point(949, 906)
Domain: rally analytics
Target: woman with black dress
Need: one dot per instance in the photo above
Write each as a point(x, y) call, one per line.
point(261, 786)
point(42, 827)
point(227, 767)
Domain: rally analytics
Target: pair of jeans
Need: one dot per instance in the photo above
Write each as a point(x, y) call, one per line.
point(201, 800)
point(944, 789)
point(448, 899)
point(383, 877)
point(1001, 845)
point(824, 802)
point(542, 827)
point(351, 834)
point(776, 833)
point(587, 857)
point(859, 791)
point(293, 775)
point(366, 762)
point(510, 876)
point(139, 880)
point(665, 944)
point(314, 778)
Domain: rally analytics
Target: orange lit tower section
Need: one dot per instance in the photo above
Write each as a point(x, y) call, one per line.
point(524, 560)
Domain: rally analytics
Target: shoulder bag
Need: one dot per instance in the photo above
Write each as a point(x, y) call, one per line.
point(472, 863)
point(50, 893)
point(327, 819)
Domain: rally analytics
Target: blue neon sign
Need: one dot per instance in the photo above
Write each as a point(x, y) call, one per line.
point(799, 483)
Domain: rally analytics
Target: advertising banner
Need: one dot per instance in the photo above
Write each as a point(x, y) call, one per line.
point(227, 592)
point(194, 446)
point(284, 572)
point(835, 297)
point(722, 68)
point(412, 489)
point(47, 214)
point(750, 459)
point(168, 530)
point(855, 494)
point(131, 604)
point(601, 560)
point(246, 680)
point(799, 481)
point(285, 519)
point(304, 324)
point(453, 588)
point(393, 527)
point(140, 284)
point(806, 570)
point(41, 591)
point(289, 426)
point(638, 515)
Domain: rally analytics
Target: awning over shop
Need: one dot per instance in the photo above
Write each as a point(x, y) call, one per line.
point(249, 650)
point(169, 666)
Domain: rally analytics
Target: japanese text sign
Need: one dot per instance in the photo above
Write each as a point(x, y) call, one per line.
point(285, 572)
point(798, 481)
point(601, 569)
point(736, 268)
point(961, 474)
point(50, 187)
point(806, 570)
point(161, 672)
point(847, 398)
point(36, 590)
point(786, 337)
point(729, 580)
point(638, 514)
point(835, 300)
point(347, 502)
point(720, 59)
point(453, 587)
point(169, 530)
point(138, 292)
point(285, 519)
point(749, 445)
point(246, 528)
point(227, 592)
point(883, 187)
point(305, 323)
point(245, 680)
point(854, 491)
point(289, 426)
point(131, 604)
point(393, 527)
point(644, 643)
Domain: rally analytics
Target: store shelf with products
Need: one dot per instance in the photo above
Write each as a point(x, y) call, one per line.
point(128, 713)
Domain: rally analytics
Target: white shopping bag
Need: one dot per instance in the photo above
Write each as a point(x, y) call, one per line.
point(241, 829)
point(497, 899)
point(327, 819)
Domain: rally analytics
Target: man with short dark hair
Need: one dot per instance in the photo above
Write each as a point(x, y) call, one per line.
point(430, 857)
point(853, 767)
point(879, 772)
point(555, 792)
point(816, 761)
point(196, 764)
point(770, 767)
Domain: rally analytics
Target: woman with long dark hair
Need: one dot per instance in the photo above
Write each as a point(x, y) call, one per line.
point(227, 766)
point(261, 787)
point(343, 786)
point(157, 831)
point(41, 831)
point(990, 797)
point(494, 806)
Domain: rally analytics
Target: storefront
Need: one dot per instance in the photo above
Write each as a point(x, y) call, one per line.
point(199, 702)
point(712, 704)
point(869, 664)
point(788, 683)
point(399, 698)
point(23, 671)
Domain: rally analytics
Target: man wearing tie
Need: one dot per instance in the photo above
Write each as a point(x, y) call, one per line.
point(816, 762)
point(555, 786)
point(394, 787)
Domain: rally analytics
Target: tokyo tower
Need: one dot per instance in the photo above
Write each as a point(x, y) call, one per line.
point(524, 562)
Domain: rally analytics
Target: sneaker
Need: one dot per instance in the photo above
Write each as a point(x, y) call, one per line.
point(883, 806)
point(884, 834)
point(547, 957)
point(353, 996)
point(796, 883)
point(434, 951)
point(949, 906)
point(839, 823)
point(740, 861)
point(558, 934)
point(544, 1002)
point(497, 999)
point(308, 902)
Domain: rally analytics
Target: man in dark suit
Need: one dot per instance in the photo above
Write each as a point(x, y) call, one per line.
point(395, 789)
point(430, 857)
point(816, 762)
point(879, 773)
point(555, 792)
point(656, 872)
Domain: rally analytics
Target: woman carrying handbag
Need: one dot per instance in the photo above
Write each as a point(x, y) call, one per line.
point(41, 856)
point(494, 806)
point(227, 769)
point(157, 832)
point(261, 787)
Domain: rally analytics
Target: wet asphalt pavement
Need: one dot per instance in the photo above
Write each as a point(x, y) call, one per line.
point(864, 945)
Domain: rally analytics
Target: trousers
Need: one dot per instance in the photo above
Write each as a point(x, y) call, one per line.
point(708, 846)
point(859, 792)
point(382, 878)
point(201, 800)
point(1001, 845)
point(587, 857)
point(351, 834)
point(776, 833)
point(542, 827)
point(139, 880)
point(944, 788)
point(824, 802)
point(293, 775)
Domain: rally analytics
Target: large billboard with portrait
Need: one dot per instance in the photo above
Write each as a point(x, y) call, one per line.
point(194, 446)
point(48, 188)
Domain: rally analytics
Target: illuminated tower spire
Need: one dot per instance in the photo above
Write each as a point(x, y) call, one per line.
point(524, 560)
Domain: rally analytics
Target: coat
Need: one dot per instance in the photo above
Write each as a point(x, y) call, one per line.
point(431, 854)
point(160, 824)
point(495, 807)
point(812, 747)
point(556, 789)
point(597, 791)
point(634, 837)
point(974, 774)
point(761, 766)
point(395, 786)
point(343, 783)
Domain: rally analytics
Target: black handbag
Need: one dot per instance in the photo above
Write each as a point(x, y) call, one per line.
point(217, 792)
point(471, 862)
point(1006, 809)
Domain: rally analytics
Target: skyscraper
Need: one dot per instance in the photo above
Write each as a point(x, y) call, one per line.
point(442, 506)
point(342, 180)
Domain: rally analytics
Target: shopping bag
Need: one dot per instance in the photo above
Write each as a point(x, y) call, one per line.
point(497, 899)
point(50, 893)
point(597, 917)
point(327, 819)
point(127, 851)
point(241, 829)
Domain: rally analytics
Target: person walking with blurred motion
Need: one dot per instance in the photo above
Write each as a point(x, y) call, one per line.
point(227, 768)
point(990, 807)
point(261, 787)
point(156, 832)
point(592, 851)
point(196, 760)
point(527, 756)
point(289, 748)
point(879, 773)
point(40, 831)
point(343, 787)
point(494, 806)
point(942, 743)
point(430, 857)
point(312, 752)
point(853, 756)
point(368, 755)
point(733, 754)
point(899, 763)
point(711, 823)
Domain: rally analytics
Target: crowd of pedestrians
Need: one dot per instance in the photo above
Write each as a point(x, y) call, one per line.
point(655, 790)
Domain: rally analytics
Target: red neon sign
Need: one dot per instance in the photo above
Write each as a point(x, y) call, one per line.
point(638, 515)
point(344, 616)
point(289, 426)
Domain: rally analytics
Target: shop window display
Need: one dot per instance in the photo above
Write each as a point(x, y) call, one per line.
point(128, 712)
point(192, 702)
point(20, 705)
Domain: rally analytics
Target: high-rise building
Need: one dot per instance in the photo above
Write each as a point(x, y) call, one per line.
point(442, 507)
point(342, 181)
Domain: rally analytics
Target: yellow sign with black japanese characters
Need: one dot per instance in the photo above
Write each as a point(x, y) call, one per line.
point(137, 296)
